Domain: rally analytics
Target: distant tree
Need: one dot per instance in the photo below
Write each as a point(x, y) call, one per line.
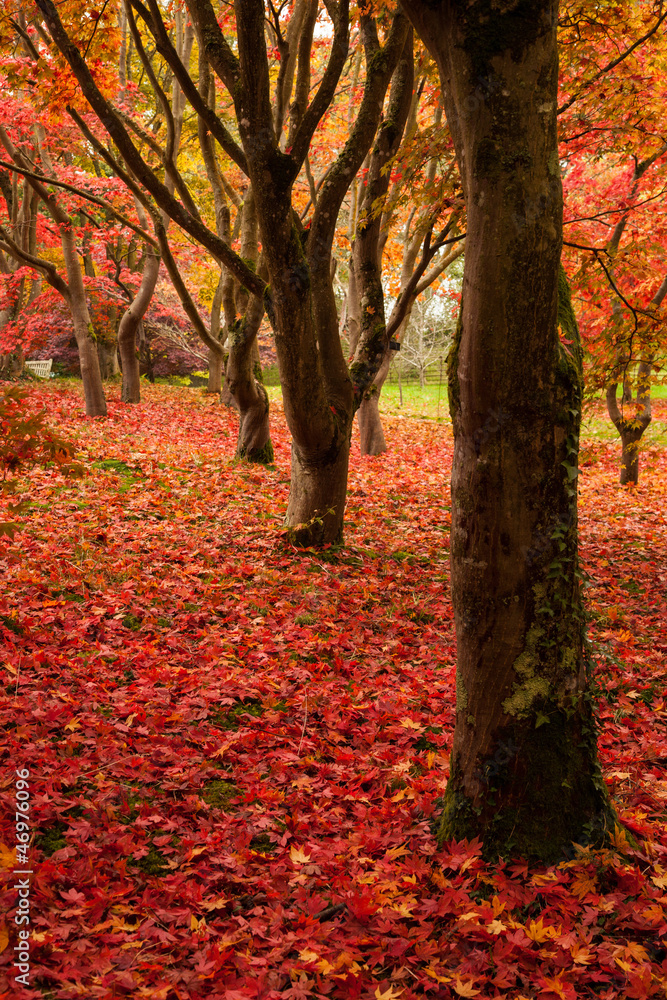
point(427, 338)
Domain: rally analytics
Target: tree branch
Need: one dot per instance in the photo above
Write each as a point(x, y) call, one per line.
point(83, 194)
point(143, 173)
point(612, 64)
point(155, 24)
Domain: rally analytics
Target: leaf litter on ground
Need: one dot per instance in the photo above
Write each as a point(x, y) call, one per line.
point(237, 752)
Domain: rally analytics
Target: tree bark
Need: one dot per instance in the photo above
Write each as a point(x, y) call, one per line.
point(244, 379)
point(631, 428)
point(215, 372)
point(108, 359)
point(318, 489)
point(132, 319)
point(371, 435)
point(524, 774)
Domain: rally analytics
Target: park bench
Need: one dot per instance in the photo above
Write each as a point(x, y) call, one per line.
point(42, 369)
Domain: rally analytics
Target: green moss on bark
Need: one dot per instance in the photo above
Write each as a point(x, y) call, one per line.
point(558, 767)
point(257, 456)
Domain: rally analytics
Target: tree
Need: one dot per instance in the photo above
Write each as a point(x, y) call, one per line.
point(321, 393)
point(611, 122)
point(524, 772)
point(424, 257)
point(73, 289)
point(631, 425)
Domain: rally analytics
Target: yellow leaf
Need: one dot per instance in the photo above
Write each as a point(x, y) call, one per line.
point(636, 951)
point(439, 879)
point(465, 989)
point(389, 994)
point(438, 979)
point(215, 904)
point(430, 759)
point(308, 956)
point(4, 937)
point(623, 965)
point(72, 724)
point(660, 882)
point(197, 925)
point(536, 931)
point(298, 856)
point(395, 852)
point(556, 986)
point(411, 724)
point(620, 840)
point(496, 927)
point(581, 956)
point(7, 857)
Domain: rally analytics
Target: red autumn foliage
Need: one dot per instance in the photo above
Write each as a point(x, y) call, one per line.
point(236, 751)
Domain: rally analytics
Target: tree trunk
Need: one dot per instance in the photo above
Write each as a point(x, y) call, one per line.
point(216, 365)
point(524, 774)
point(93, 390)
point(371, 435)
point(108, 359)
point(244, 379)
point(630, 456)
point(316, 506)
point(131, 322)
point(129, 361)
point(215, 370)
point(631, 428)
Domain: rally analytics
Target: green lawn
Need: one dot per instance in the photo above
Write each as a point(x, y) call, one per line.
point(430, 403)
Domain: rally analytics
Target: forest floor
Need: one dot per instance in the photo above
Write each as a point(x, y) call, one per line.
point(236, 751)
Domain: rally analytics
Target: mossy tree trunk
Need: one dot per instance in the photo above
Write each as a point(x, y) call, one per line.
point(524, 771)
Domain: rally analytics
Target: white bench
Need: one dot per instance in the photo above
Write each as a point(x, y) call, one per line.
point(42, 369)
